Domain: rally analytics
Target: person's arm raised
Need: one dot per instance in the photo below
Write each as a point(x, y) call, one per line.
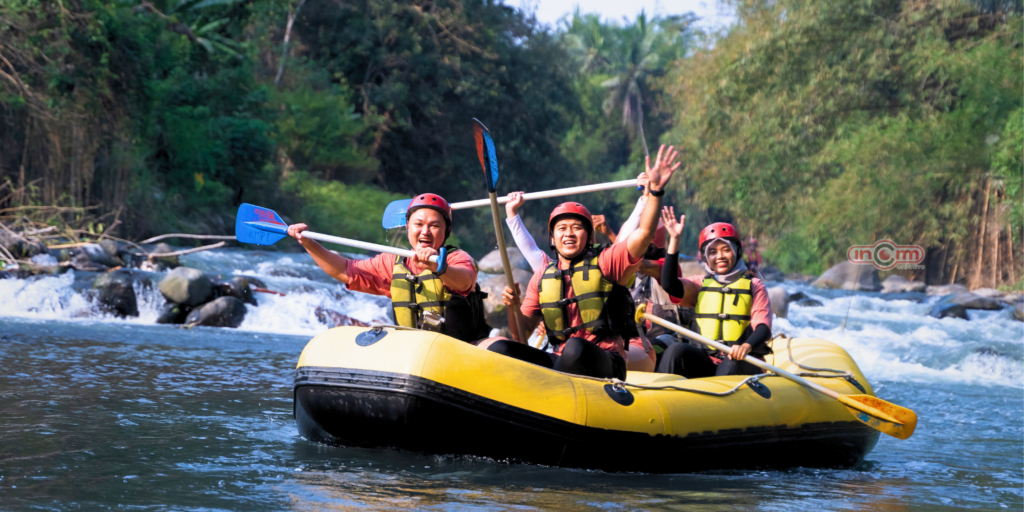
point(664, 166)
point(332, 263)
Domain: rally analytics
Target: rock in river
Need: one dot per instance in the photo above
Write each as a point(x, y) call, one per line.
point(898, 284)
point(945, 289)
point(497, 315)
point(237, 287)
point(970, 300)
point(491, 263)
point(173, 314)
point(116, 292)
point(850, 276)
point(220, 312)
point(948, 310)
point(779, 299)
point(186, 286)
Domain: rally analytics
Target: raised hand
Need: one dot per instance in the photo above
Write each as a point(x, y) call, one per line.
point(515, 200)
point(668, 217)
point(664, 165)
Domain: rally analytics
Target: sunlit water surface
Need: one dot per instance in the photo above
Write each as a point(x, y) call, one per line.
point(97, 412)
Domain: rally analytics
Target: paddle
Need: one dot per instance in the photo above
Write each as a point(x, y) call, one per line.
point(489, 163)
point(262, 226)
point(394, 214)
point(874, 412)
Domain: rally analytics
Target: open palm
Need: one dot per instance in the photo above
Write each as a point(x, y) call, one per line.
point(668, 217)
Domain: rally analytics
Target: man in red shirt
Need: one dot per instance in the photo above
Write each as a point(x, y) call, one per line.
point(423, 294)
point(582, 298)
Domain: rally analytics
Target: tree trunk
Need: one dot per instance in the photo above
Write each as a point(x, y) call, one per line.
point(287, 37)
point(990, 276)
point(20, 198)
point(1006, 244)
point(978, 241)
point(958, 251)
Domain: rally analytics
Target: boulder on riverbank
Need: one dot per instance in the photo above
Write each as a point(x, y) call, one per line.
point(19, 246)
point(779, 299)
point(186, 286)
point(1018, 312)
point(497, 314)
point(970, 300)
point(899, 284)
point(772, 273)
point(491, 263)
point(850, 276)
point(945, 289)
point(116, 292)
point(95, 254)
point(220, 312)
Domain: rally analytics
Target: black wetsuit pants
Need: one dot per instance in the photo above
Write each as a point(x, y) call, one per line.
point(694, 362)
point(579, 357)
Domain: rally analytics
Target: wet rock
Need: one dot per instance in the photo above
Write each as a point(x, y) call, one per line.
point(61, 255)
point(949, 310)
point(1012, 299)
point(110, 247)
point(173, 314)
point(491, 263)
point(797, 296)
point(779, 299)
point(220, 312)
point(911, 296)
point(772, 273)
point(945, 289)
point(332, 318)
point(157, 264)
point(81, 257)
point(849, 276)
point(19, 246)
point(809, 303)
point(690, 268)
point(1018, 311)
point(256, 282)
point(971, 300)
point(898, 284)
point(989, 293)
point(497, 314)
point(186, 286)
point(237, 287)
point(116, 292)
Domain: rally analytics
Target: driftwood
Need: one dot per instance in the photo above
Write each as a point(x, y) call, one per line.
point(185, 251)
point(185, 235)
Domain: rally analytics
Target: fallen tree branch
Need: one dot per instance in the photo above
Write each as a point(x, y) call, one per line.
point(185, 251)
point(185, 235)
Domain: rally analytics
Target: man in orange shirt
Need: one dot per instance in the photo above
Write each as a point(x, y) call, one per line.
point(582, 298)
point(441, 296)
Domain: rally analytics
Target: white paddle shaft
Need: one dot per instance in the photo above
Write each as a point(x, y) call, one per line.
point(362, 245)
point(754, 361)
point(549, 193)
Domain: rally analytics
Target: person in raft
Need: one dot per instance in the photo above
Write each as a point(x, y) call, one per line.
point(640, 354)
point(582, 297)
point(442, 296)
point(731, 305)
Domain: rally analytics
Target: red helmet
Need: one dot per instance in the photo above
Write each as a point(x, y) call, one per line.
point(575, 210)
point(434, 202)
point(719, 230)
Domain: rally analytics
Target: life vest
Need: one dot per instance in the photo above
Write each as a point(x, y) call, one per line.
point(606, 308)
point(412, 295)
point(723, 312)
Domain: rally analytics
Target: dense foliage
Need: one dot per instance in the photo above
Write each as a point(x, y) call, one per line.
point(814, 125)
point(819, 125)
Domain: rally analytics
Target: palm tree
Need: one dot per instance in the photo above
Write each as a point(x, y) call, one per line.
point(629, 55)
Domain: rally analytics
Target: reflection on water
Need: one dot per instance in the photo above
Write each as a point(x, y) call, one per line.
point(100, 413)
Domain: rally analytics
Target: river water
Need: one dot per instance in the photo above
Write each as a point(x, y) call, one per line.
point(99, 413)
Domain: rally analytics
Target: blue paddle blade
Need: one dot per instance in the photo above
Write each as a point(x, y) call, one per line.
point(486, 153)
point(260, 226)
point(394, 214)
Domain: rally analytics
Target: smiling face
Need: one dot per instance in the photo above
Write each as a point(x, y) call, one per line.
point(721, 258)
point(426, 229)
point(569, 236)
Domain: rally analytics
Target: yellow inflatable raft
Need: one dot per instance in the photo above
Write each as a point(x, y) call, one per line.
point(426, 392)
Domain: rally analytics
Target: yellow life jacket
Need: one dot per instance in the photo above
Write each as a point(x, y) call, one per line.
point(592, 292)
point(411, 295)
point(723, 312)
